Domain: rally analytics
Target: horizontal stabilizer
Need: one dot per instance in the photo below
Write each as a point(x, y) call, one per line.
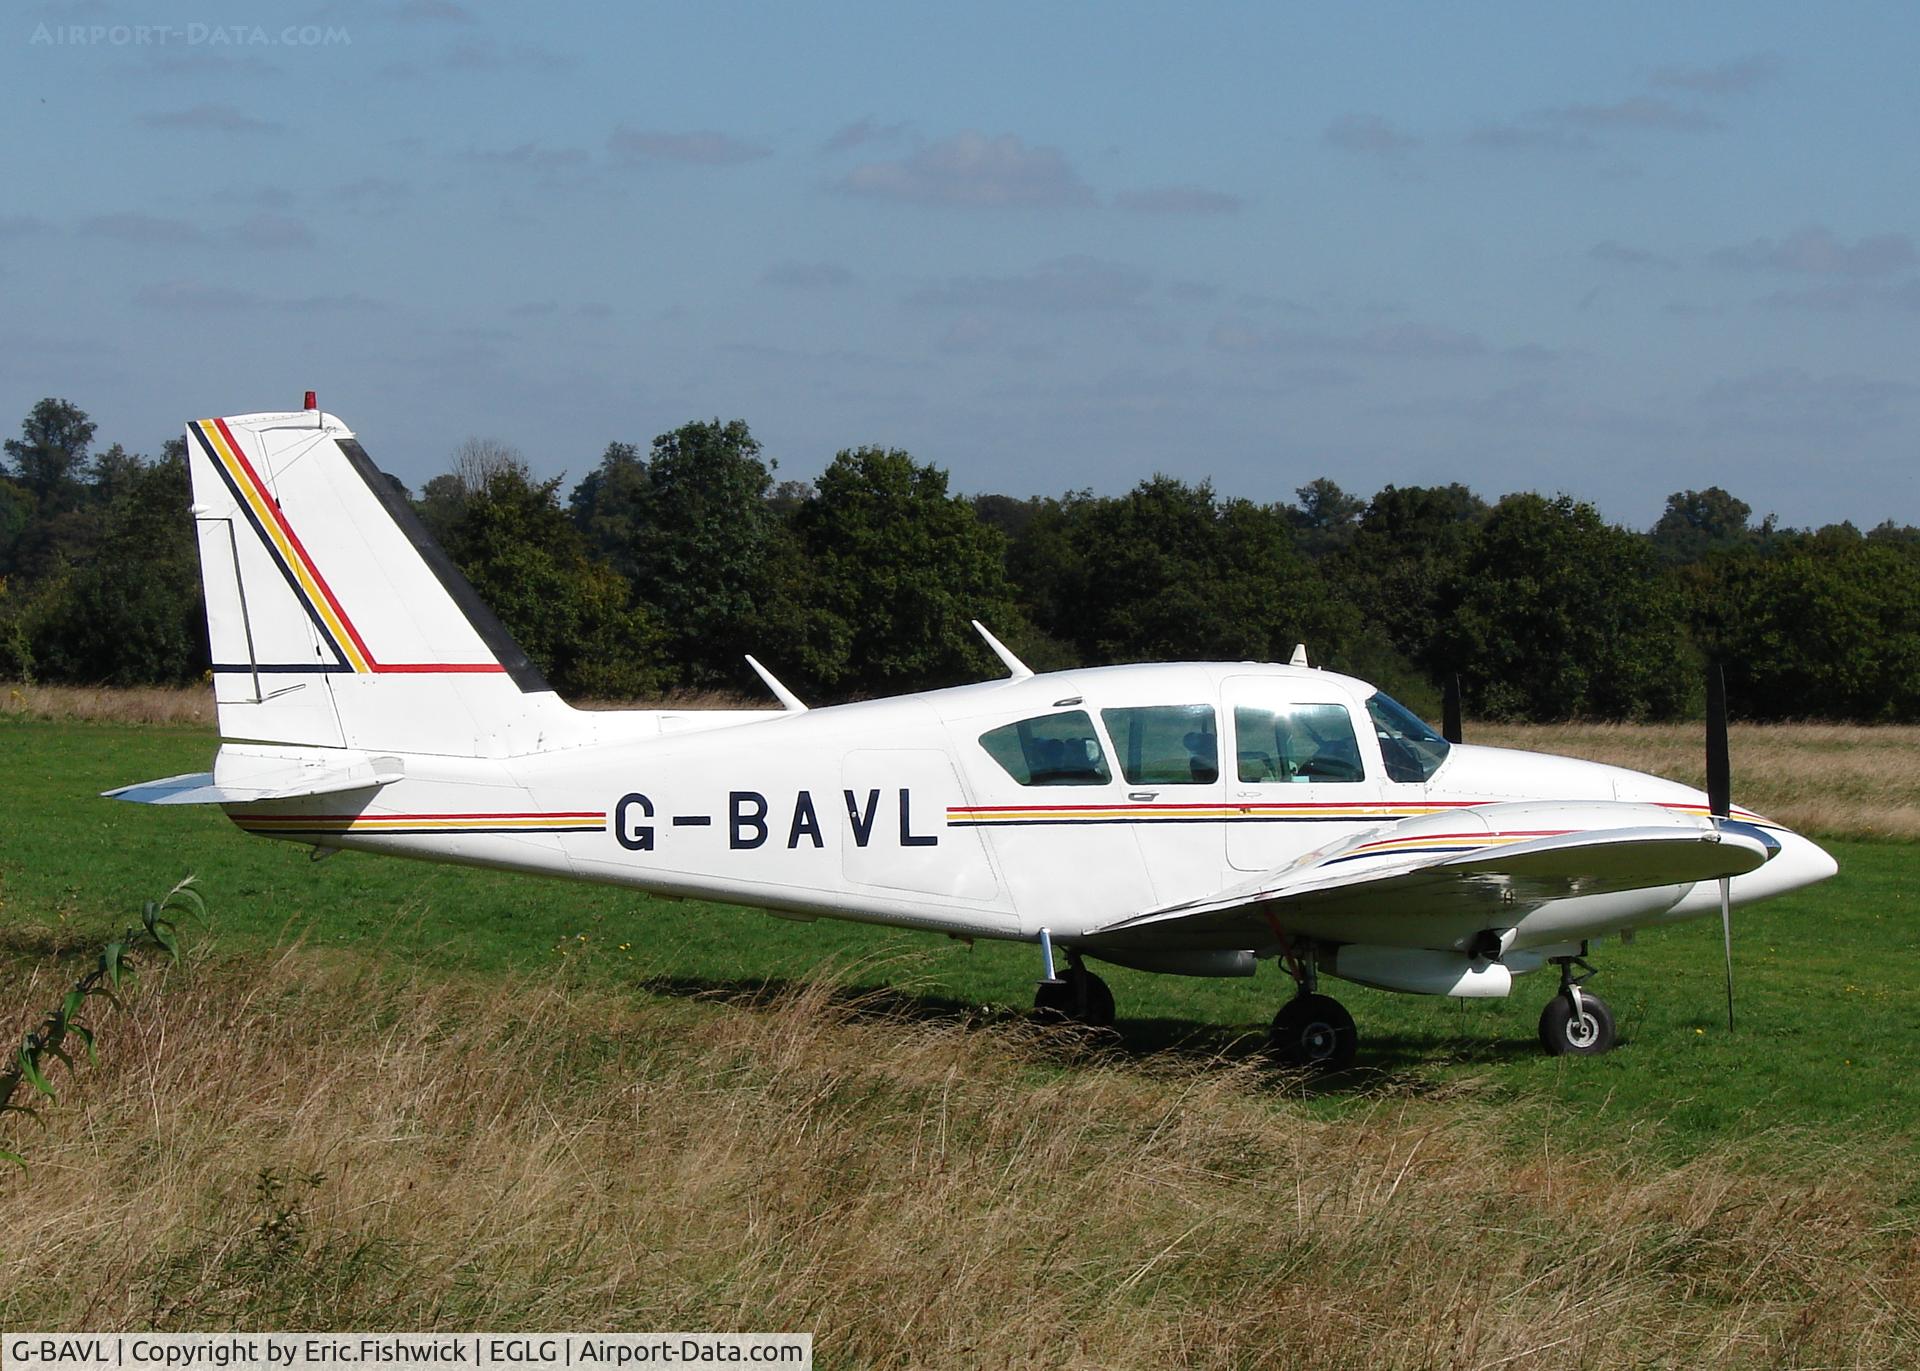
point(288, 782)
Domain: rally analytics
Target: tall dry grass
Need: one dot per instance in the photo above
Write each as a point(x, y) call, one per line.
point(1833, 780)
point(108, 704)
point(317, 1141)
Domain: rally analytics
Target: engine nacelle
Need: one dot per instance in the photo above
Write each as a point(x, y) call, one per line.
point(1421, 971)
point(1179, 961)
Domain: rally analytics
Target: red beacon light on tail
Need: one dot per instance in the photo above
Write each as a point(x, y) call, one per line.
point(312, 401)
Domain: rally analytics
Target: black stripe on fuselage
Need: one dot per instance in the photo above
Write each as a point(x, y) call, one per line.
point(1151, 819)
point(404, 832)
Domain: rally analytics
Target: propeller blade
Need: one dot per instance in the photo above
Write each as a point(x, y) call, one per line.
point(1726, 938)
point(1720, 801)
point(1719, 770)
point(1450, 709)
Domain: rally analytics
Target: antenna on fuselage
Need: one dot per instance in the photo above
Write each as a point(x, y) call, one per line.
point(1299, 657)
point(1016, 669)
point(781, 693)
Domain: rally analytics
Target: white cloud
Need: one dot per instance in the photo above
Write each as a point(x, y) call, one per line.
point(1729, 78)
point(1185, 199)
point(700, 148)
point(433, 12)
point(197, 297)
point(547, 167)
point(1623, 255)
point(1412, 341)
point(1635, 112)
point(1065, 285)
point(273, 233)
point(486, 56)
point(975, 170)
point(861, 132)
point(1519, 136)
point(1815, 251)
point(1789, 399)
point(792, 275)
point(210, 118)
point(973, 335)
point(1572, 128)
point(1369, 135)
point(373, 193)
point(141, 228)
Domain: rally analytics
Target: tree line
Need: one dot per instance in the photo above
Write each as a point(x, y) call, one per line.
point(664, 565)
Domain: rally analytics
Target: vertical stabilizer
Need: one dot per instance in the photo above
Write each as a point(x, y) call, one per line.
point(334, 619)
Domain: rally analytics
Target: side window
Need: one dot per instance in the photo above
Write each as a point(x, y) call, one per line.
point(1054, 749)
point(1296, 743)
point(1412, 751)
point(1165, 744)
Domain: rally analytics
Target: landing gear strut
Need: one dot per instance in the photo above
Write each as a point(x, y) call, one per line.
point(1576, 1021)
point(1312, 1030)
point(1075, 996)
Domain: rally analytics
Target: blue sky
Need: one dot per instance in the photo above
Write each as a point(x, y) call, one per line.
point(1610, 250)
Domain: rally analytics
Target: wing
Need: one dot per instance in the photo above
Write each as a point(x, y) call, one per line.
point(1507, 859)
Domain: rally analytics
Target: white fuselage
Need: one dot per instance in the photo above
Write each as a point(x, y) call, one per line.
point(897, 811)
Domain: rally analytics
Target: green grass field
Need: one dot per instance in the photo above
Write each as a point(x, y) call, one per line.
point(1825, 1040)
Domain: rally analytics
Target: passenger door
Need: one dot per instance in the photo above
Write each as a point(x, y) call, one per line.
point(1168, 756)
point(1053, 811)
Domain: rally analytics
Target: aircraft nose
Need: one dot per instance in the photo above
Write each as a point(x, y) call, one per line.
point(1800, 862)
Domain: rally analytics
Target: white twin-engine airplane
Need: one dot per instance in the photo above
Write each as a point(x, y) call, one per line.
point(1191, 818)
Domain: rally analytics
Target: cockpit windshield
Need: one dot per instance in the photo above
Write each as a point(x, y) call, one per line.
point(1411, 750)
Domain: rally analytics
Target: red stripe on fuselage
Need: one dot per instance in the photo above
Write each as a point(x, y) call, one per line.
point(1217, 804)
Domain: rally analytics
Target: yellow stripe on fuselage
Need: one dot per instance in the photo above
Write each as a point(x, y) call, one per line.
point(1184, 813)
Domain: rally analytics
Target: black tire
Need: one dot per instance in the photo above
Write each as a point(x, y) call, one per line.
point(1315, 1032)
point(1079, 997)
point(1588, 1036)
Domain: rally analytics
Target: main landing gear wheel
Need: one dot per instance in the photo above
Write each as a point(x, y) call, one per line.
point(1586, 1032)
point(1078, 997)
point(1314, 1031)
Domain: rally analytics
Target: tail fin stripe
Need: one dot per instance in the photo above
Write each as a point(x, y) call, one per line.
point(280, 560)
point(283, 668)
point(317, 592)
point(309, 586)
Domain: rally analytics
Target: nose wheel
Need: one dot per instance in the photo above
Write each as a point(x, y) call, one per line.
point(1585, 1031)
point(1576, 1022)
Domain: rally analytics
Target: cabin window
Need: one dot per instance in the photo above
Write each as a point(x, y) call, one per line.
point(1411, 750)
point(1054, 749)
point(1165, 744)
point(1296, 743)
